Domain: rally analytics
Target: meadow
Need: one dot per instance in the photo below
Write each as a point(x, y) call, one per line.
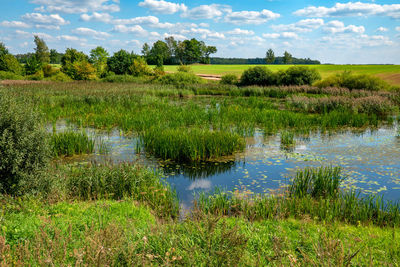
point(63, 211)
point(389, 73)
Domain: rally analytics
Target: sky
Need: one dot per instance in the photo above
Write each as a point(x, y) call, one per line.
point(365, 32)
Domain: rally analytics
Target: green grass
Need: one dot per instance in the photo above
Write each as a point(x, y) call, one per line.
point(71, 143)
point(326, 70)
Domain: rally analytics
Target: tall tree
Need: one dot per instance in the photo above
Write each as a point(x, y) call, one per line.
point(98, 57)
point(270, 56)
point(172, 46)
point(3, 49)
point(287, 58)
point(146, 50)
point(41, 50)
point(55, 57)
point(159, 53)
point(207, 51)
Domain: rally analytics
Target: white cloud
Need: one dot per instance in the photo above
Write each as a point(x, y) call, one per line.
point(90, 32)
point(271, 35)
point(70, 38)
point(336, 26)
point(251, 17)
point(162, 6)
point(238, 31)
point(382, 29)
point(213, 11)
point(283, 35)
point(305, 25)
point(176, 36)
point(14, 24)
point(150, 21)
point(52, 21)
point(351, 9)
point(137, 29)
point(363, 40)
point(397, 29)
point(77, 6)
point(101, 17)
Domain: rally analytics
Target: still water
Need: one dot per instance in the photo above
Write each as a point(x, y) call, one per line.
point(370, 160)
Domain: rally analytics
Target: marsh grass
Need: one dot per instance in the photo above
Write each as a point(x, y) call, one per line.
point(287, 140)
point(191, 144)
point(312, 193)
point(71, 143)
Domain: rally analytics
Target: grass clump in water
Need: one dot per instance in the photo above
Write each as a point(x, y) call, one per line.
point(71, 143)
point(287, 140)
point(191, 144)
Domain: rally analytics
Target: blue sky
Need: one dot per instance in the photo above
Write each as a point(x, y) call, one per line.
point(333, 32)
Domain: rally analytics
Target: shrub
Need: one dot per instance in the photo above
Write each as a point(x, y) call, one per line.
point(354, 81)
point(6, 75)
point(298, 75)
point(70, 57)
point(59, 77)
point(184, 68)
point(261, 76)
point(10, 63)
point(83, 70)
point(139, 67)
point(121, 62)
point(38, 76)
point(24, 148)
point(48, 70)
point(180, 79)
point(158, 71)
point(230, 79)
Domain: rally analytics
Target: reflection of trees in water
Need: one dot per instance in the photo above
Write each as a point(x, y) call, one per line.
point(200, 170)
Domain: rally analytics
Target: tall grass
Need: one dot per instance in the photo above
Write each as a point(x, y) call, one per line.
point(287, 140)
point(191, 144)
point(71, 143)
point(312, 193)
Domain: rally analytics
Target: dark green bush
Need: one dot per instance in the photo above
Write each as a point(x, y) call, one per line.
point(261, 76)
point(120, 62)
point(32, 65)
point(298, 75)
point(24, 149)
point(354, 82)
point(230, 79)
point(180, 79)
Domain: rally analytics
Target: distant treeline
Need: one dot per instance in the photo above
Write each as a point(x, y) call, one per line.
point(259, 61)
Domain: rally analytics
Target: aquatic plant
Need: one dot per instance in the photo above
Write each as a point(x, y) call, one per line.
point(71, 143)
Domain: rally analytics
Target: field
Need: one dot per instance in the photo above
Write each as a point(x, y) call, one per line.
point(188, 174)
point(390, 73)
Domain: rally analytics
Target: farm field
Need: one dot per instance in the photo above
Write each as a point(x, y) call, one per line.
point(390, 73)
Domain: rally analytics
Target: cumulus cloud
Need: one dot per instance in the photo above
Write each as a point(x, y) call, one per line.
point(70, 38)
point(14, 24)
point(363, 40)
point(397, 29)
point(77, 6)
point(136, 29)
point(52, 21)
point(150, 21)
point(101, 17)
point(213, 11)
point(251, 17)
point(90, 32)
point(305, 25)
point(351, 9)
point(163, 7)
point(282, 35)
point(336, 26)
point(271, 35)
point(238, 31)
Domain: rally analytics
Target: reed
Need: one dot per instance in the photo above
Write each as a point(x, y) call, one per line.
point(287, 140)
point(71, 143)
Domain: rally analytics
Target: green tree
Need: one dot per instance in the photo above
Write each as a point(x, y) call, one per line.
point(41, 50)
point(3, 49)
point(69, 58)
point(172, 46)
point(32, 65)
point(206, 52)
point(192, 51)
point(10, 63)
point(270, 56)
point(287, 58)
point(159, 53)
point(121, 61)
point(55, 57)
point(98, 57)
point(146, 50)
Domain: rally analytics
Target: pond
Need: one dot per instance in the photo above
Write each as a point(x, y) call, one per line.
point(370, 159)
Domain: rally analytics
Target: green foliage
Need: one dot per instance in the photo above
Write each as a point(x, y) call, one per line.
point(158, 54)
point(139, 67)
point(121, 62)
point(38, 76)
point(287, 140)
point(32, 65)
point(6, 75)
point(298, 75)
point(55, 57)
point(10, 64)
point(113, 78)
point(98, 57)
point(184, 68)
point(71, 143)
point(180, 79)
point(83, 70)
point(230, 79)
point(261, 76)
point(59, 77)
point(354, 81)
point(41, 51)
point(287, 58)
point(23, 144)
point(68, 60)
point(49, 71)
point(191, 144)
point(3, 49)
point(122, 181)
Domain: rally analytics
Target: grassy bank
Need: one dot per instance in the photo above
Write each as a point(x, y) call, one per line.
point(390, 73)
